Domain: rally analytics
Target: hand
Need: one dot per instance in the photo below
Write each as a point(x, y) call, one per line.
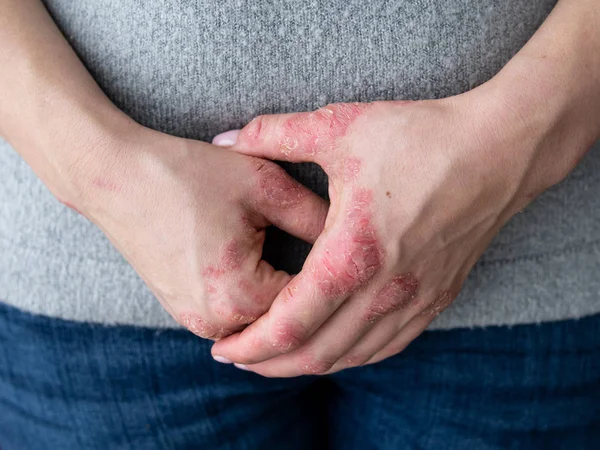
point(190, 219)
point(418, 190)
point(188, 216)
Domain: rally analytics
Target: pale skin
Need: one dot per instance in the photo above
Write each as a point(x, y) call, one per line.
point(417, 190)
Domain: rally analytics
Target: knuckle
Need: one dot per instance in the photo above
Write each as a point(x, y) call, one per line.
point(234, 315)
point(399, 293)
point(275, 187)
point(201, 327)
point(288, 335)
point(334, 274)
point(355, 360)
point(254, 131)
point(335, 117)
point(314, 365)
point(378, 309)
point(348, 266)
point(326, 115)
point(442, 301)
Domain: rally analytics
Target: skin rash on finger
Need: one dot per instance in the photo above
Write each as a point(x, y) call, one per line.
point(319, 129)
point(276, 188)
point(306, 134)
point(226, 304)
point(355, 256)
point(397, 294)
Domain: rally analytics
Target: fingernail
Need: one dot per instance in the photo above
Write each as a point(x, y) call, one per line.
point(226, 139)
point(241, 366)
point(221, 360)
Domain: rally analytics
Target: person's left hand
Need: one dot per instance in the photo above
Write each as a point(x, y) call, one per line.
point(418, 190)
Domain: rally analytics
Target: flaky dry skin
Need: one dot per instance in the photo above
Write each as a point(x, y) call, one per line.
point(418, 190)
point(190, 218)
point(375, 256)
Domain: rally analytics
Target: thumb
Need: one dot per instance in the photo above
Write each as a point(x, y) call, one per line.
point(297, 137)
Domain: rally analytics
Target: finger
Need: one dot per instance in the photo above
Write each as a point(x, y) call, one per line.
point(344, 329)
point(236, 290)
point(409, 333)
point(377, 338)
point(415, 326)
point(374, 340)
point(286, 203)
point(236, 303)
point(339, 264)
point(306, 136)
point(344, 258)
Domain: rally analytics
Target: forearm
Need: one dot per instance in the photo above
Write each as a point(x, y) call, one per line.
point(550, 91)
point(51, 110)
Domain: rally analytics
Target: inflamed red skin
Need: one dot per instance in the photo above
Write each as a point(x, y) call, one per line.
point(190, 217)
point(416, 197)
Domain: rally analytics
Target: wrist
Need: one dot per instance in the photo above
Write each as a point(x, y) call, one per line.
point(543, 108)
point(72, 143)
point(548, 101)
point(543, 125)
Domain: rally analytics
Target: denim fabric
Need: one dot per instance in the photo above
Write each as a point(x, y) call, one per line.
point(68, 385)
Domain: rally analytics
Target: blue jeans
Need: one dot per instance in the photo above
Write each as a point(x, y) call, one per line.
point(66, 385)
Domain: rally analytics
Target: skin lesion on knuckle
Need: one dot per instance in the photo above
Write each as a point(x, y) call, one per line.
point(236, 304)
point(399, 293)
point(235, 316)
point(355, 256)
point(201, 327)
point(313, 365)
point(311, 132)
point(376, 311)
point(288, 335)
point(233, 256)
point(336, 117)
point(276, 188)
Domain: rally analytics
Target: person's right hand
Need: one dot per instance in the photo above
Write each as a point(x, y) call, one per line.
point(190, 218)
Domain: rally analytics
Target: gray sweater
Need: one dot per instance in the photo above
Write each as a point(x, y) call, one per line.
point(196, 68)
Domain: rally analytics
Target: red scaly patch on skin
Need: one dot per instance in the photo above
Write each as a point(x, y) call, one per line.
point(351, 169)
point(232, 259)
point(276, 188)
point(237, 316)
point(397, 294)
point(255, 293)
point(306, 133)
point(224, 296)
point(211, 289)
point(245, 285)
point(356, 255)
point(212, 272)
point(201, 327)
